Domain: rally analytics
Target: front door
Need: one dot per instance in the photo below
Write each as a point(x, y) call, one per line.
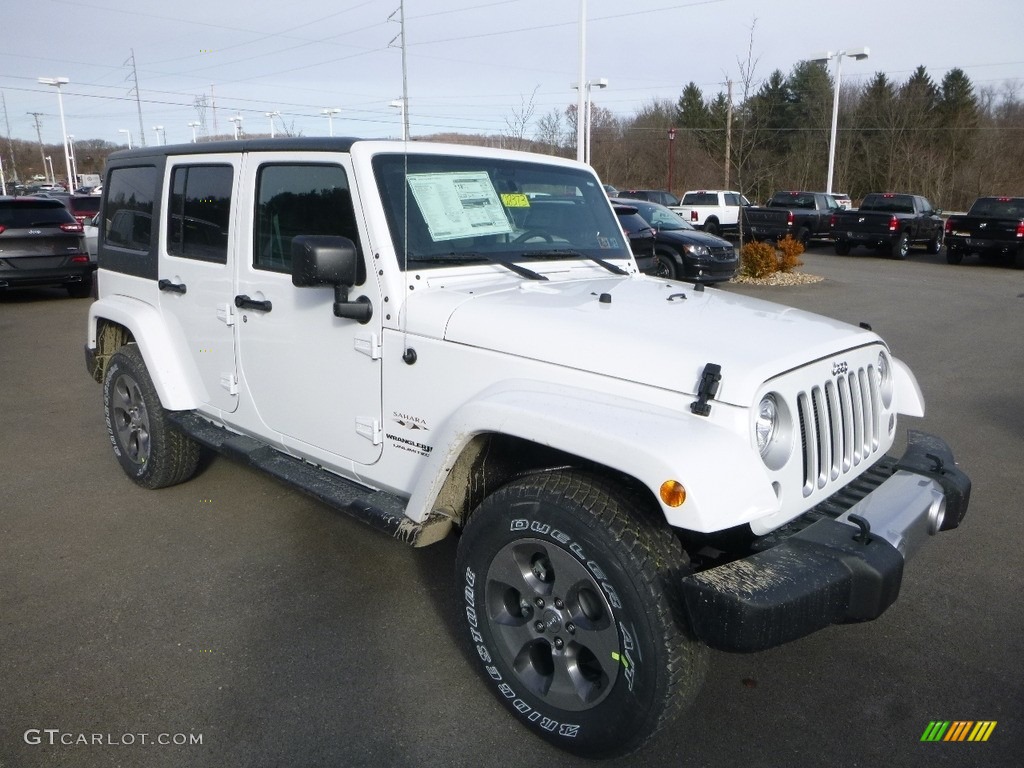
point(314, 379)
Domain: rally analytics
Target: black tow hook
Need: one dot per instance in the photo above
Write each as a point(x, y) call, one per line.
point(864, 535)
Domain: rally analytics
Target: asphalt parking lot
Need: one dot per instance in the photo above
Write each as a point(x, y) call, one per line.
point(233, 611)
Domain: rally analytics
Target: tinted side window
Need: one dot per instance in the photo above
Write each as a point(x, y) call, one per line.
point(199, 212)
point(732, 198)
point(299, 199)
point(129, 211)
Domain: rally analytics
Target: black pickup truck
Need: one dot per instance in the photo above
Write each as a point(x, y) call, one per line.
point(804, 215)
point(889, 222)
point(993, 227)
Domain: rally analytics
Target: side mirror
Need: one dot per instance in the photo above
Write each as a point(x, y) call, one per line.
point(330, 260)
point(323, 260)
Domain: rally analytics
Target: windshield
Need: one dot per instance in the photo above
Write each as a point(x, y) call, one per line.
point(659, 216)
point(486, 209)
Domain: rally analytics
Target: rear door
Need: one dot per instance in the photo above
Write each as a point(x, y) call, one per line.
point(196, 267)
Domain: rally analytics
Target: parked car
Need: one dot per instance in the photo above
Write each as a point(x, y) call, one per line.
point(889, 222)
point(638, 230)
point(638, 468)
point(83, 207)
point(843, 200)
point(994, 226)
point(41, 244)
point(90, 230)
point(659, 196)
point(610, 190)
point(713, 210)
point(802, 215)
point(683, 253)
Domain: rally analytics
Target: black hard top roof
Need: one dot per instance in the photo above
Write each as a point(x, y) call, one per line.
point(308, 144)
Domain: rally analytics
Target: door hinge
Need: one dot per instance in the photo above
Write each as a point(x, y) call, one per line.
point(226, 314)
point(229, 382)
point(369, 346)
point(370, 429)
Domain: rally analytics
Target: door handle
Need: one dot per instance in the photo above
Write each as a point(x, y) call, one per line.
point(167, 285)
point(244, 302)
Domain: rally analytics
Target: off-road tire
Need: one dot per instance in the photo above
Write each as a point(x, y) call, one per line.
point(570, 598)
point(150, 450)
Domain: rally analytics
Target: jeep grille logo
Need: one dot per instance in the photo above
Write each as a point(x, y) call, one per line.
point(838, 369)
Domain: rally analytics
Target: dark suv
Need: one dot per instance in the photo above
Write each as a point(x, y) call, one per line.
point(42, 244)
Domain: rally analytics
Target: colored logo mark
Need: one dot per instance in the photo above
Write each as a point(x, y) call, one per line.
point(958, 730)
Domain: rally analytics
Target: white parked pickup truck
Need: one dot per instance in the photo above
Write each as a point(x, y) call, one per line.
point(442, 339)
point(716, 211)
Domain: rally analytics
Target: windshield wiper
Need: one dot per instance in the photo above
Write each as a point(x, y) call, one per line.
point(566, 253)
point(454, 258)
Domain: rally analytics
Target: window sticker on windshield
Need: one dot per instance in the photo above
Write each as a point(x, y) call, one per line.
point(456, 205)
point(515, 200)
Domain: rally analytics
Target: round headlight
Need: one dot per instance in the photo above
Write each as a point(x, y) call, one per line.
point(767, 423)
point(885, 379)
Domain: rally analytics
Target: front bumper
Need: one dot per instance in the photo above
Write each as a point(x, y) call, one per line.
point(836, 570)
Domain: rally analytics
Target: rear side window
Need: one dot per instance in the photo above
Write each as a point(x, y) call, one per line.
point(299, 199)
point(199, 212)
point(129, 212)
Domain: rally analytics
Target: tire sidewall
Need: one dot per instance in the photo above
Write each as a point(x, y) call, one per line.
point(619, 720)
point(122, 364)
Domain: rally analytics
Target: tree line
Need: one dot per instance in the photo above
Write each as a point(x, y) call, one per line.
point(948, 140)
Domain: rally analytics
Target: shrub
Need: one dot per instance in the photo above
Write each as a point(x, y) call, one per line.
point(789, 253)
point(758, 259)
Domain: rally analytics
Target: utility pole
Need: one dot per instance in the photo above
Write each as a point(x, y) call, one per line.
point(213, 107)
point(728, 133)
point(138, 98)
point(39, 135)
point(10, 141)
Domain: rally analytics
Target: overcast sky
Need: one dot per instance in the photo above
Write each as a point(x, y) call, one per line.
point(472, 64)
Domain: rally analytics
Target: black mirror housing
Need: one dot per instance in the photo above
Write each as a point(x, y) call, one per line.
point(324, 260)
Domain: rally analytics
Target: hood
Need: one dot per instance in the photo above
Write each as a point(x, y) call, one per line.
point(651, 331)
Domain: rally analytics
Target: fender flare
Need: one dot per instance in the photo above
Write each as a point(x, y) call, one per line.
point(174, 373)
point(909, 398)
point(653, 444)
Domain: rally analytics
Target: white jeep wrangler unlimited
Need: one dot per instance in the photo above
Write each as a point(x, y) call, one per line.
point(441, 337)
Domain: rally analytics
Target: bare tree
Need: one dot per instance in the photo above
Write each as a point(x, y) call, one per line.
point(520, 121)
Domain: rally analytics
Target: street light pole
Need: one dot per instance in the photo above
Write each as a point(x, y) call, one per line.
point(272, 115)
point(49, 169)
point(858, 54)
point(599, 83)
point(161, 137)
point(128, 133)
point(583, 78)
point(671, 155)
point(193, 125)
point(57, 82)
point(236, 121)
point(74, 163)
point(331, 112)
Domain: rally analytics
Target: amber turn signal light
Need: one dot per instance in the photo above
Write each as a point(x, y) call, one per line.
point(673, 493)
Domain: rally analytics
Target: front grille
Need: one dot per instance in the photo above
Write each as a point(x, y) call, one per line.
point(840, 426)
point(724, 253)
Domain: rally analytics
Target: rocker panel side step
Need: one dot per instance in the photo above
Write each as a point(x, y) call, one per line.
point(379, 509)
